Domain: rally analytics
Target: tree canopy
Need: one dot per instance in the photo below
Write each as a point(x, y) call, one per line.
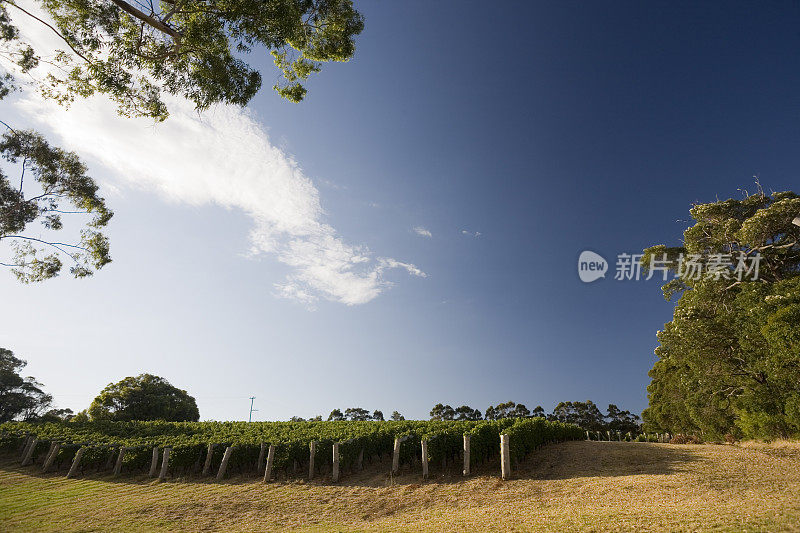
point(507, 410)
point(442, 412)
point(144, 397)
point(585, 414)
point(465, 412)
point(355, 413)
point(135, 51)
point(56, 185)
point(729, 361)
point(20, 397)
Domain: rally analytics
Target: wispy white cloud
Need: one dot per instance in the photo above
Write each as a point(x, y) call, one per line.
point(222, 157)
point(422, 232)
point(474, 234)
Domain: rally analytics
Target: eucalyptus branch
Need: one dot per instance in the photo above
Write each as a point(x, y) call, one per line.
point(150, 20)
point(55, 30)
point(53, 244)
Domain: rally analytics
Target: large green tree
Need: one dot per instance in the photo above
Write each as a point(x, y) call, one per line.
point(729, 361)
point(20, 397)
point(144, 397)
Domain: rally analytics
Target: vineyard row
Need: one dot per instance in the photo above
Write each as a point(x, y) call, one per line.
point(186, 448)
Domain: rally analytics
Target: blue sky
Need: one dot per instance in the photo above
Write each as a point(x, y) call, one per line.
point(547, 128)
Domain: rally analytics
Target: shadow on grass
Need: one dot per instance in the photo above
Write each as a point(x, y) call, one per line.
point(606, 459)
point(556, 461)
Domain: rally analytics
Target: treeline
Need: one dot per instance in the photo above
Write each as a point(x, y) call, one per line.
point(148, 397)
point(22, 398)
point(584, 414)
point(142, 397)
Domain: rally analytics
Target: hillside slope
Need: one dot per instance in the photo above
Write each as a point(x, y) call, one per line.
point(591, 486)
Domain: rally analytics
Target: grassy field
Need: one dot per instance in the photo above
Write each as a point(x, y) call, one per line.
point(585, 486)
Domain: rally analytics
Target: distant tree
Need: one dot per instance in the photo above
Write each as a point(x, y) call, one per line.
point(356, 413)
point(442, 412)
point(57, 415)
point(538, 412)
point(585, 414)
point(619, 420)
point(317, 418)
point(377, 415)
point(144, 397)
point(20, 397)
point(466, 412)
point(520, 411)
point(297, 419)
point(336, 415)
point(507, 410)
point(397, 416)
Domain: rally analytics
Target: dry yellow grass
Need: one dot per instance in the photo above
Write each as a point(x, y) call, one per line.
point(576, 486)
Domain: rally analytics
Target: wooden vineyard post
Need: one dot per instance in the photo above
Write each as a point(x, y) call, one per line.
point(51, 457)
point(360, 463)
point(29, 452)
point(396, 453)
point(261, 453)
point(424, 458)
point(466, 455)
point(75, 462)
point(335, 473)
point(164, 464)
point(154, 462)
point(25, 445)
point(312, 451)
point(587, 436)
point(223, 466)
point(209, 454)
point(110, 460)
point(270, 459)
point(120, 457)
point(505, 457)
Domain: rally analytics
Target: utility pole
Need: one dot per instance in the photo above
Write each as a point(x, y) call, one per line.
point(251, 408)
